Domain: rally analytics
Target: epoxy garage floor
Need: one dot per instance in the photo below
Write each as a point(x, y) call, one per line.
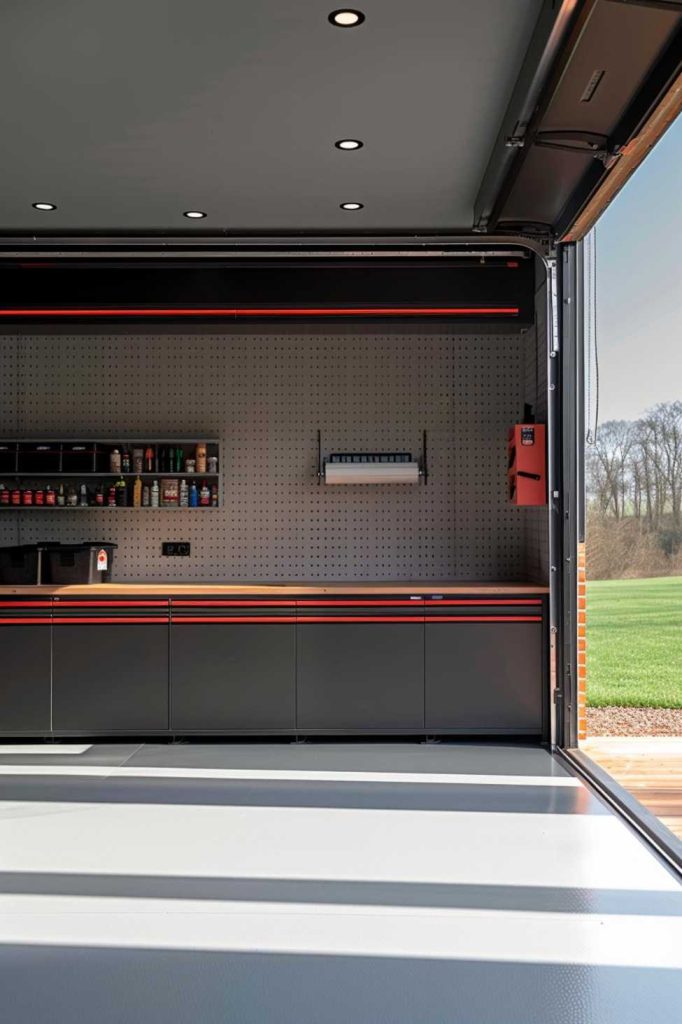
point(325, 883)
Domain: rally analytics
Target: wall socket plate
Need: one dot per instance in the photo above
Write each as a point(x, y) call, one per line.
point(175, 547)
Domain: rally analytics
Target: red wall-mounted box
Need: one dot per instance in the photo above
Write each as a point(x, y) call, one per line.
point(527, 464)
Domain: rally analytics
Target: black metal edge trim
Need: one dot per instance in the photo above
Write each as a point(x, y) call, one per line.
point(645, 824)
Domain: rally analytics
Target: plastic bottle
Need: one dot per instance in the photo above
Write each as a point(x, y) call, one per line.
point(205, 494)
point(115, 461)
point(200, 454)
point(125, 461)
point(50, 495)
point(137, 493)
point(71, 496)
point(145, 496)
point(121, 493)
point(214, 495)
point(83, 499)
point(193, 496)
point(184, 494)
point(155, 494)
point(61, 497)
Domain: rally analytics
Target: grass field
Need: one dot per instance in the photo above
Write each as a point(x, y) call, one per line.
point(634, 643)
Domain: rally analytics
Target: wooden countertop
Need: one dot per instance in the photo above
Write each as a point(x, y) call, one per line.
point(275, 590)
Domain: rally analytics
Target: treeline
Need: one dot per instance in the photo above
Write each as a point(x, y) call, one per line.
point(634, 492)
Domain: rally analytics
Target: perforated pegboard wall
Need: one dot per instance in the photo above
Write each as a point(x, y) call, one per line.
point(264, 396)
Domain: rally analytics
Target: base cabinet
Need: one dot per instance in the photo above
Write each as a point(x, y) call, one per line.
point(233, 677)
point(483, 677)
point(25, 660)
point(360, 676)
point(110, 678)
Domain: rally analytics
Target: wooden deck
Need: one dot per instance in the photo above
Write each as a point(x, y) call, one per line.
point(649, 767)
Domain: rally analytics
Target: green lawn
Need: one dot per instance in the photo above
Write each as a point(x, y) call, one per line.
point(634, 643)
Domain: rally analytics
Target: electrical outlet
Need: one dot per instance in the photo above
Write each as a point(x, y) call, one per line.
point(175, 547)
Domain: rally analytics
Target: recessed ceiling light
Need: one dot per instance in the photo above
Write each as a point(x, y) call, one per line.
point(348, 144)
point(351, 206)
point(346, 18)
point(44, 206)
point(194, 214)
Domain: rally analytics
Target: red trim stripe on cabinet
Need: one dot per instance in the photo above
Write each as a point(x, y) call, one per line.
point(238, 619)
point(80, 620)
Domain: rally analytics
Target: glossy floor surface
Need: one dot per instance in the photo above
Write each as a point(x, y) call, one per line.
point(325, 883)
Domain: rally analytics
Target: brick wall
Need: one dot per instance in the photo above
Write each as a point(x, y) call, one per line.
point(582, 646)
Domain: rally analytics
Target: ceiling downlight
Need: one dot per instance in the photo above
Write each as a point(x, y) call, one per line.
point(346, 18)
point(44, 206)
point(349, 144)
point(194, 214)
point(352, 206)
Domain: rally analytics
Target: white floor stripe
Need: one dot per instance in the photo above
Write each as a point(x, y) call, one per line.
point(293, 775)
point(488, 935)
point(48, 749)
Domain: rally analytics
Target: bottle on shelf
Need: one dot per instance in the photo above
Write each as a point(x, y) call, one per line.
point(111, 496)
point(200, 454)
point(4, 495)
point(137, 493)
point(71, 496)
point(15, 497)
point(212, 463)
point(138, 460)
point(125, 461)
point(115, 461)
point(99, 495)
point(61, 496)
point(27, 496)
point(149, 460)
point(155, 494)
point(205, 495)
point(146, 497)
point(193, 495)
point(184, 494)
point(50, 495)
point(39, 496)
point(214, 495)
point(83, 498)
point(121, 493)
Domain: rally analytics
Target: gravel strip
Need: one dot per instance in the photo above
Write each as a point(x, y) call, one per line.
point(634, 721)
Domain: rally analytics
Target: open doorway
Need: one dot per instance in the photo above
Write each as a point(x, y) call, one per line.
point(632, 725)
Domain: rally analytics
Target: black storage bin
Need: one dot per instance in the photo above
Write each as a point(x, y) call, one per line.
point(76, 563)
point(8, 458)
point(39, 457)
point(20, 565)
point(78, 457)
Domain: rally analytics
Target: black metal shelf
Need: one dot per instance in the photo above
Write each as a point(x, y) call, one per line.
point(116, 476)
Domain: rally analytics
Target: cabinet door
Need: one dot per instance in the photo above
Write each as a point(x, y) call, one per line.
point(360, 669)
point(484, 676)
point(234, 672)
point(110, 668)
point(25, 660)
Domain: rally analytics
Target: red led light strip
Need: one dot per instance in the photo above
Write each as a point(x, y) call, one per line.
point(244, 312)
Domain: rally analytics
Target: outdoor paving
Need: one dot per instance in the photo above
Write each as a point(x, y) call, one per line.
point(649, 767)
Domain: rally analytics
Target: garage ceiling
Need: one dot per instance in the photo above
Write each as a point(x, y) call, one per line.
point(127, 115)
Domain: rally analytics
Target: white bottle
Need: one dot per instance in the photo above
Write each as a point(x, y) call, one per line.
point(184, 494)
point(155, 494)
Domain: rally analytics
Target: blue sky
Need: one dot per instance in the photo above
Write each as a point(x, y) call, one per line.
point(639, 286)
